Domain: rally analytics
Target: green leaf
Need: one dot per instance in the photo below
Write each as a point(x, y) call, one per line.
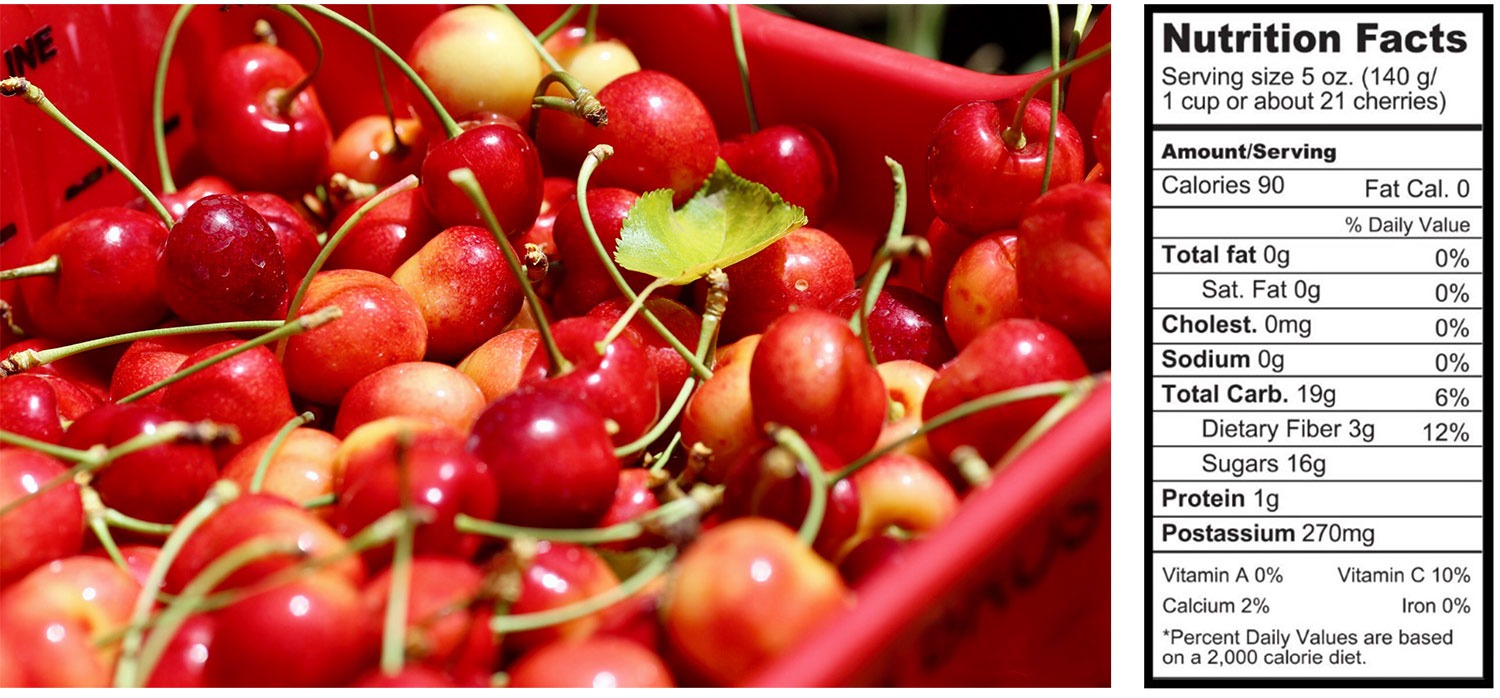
point(729, 219)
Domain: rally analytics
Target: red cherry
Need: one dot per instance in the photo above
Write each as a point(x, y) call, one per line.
point(147, 361)
point(266, 516)
point(595, 662)
point(671, 369)
point(48, 527)
point(381, 326)
point(29, 407)
point(51, 620)
point(793, 161)
point(1063, 264)
point(620, 383)
point(559, 574)
point(1010, 354)
point(633, 499)
point(313, 631)
point(247, 391)
point(221, 263)
point(447, 618)
point(157, 484)
point(805, 269)
point(298, 240)
point(388, 235)
point(810, 373)
point(904, 324)
point(662, 135)
point(106, 283)
point(507, 166)
point(464, 288)
point(585, 281)
point(551, 457)
point(366, 150)
point(772, 483)
point(178, 202)
point(983, 288)
point(181, 664)
point(246, 134)
point(979, 182)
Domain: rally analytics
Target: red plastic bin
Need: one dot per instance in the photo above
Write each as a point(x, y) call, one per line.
point(1013, 592)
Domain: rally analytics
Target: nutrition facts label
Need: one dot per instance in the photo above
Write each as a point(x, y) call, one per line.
point(1320, 215)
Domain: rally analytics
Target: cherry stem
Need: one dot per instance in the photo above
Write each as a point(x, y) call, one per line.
point(1080, 23)
point(33, 95)
point(624, 321)
point(450, 127)
point(599, 154)
point(789, 439)
point(285, 98)
point(708, 334)
point(880, 267)
point(583, 104)
point(536, 44)
point(1056, 102)
point(979, 404)
point(297, 326)
point(559, 23)
point(1013, 136)
point(282, 434)
point(659, 460)
point(195, 594)
point(127, 672)
point(93, 459)
point(398, 597)
point(655, 567)
point(590, 24)
point(739, 56)
point(158, 97)
point(326, 500)
point(973, 468)
point(407, 183)
point(464, 179)
point(625, 530)
point(385, 92)
point(27, 359)
point(93, 513)
point(116, 519)
point(45, 267)
point(7, 317)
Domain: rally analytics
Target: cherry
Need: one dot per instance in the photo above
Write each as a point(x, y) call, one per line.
point(157, 484)
point(807, 268)
point(410, 676)
point(368, 151)
point(298, 240)
point(978, 181)
point(1010, 354)
point(441, 480)
point(247, 391)
point(261, 127)
point(497, 366)
point(556, 575)
point(983, 288)
point(773, 483)
point(29, 407)
point(388, 235)
point(743, 594)
point(903, 325)
point(594, 662)
point(1063, 267)
point(300, 471)
point(1101, 135)
point(418, 389)
point(872, 557)
point(47, 527)
point(381, 326)
point(661, 133)
point(551, 458)
point(221, 263)
point(585, 281)
point(266, 516)
point(793, 161)
point(719, 415)
point(179, 201)
point(633, 499)
point(464, 288)
point(620, 382)
point(147, 361)
point(313, 631)
point(671, 369)
point(182, 663)
point(106, 280)
point(810, 373)
point(906, 384)
point(50, 621)
point(447, 618)
point(898, 490)
point(507, 165)
point(946, 245)
point(558, 193)
point(478, 59)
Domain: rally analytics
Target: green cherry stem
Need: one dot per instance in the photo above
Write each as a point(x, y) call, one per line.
point(880, 267)
point(739, 57)
point(789, 439)
point(450, 127)
point(536, 43)
point(46, 267)
point(127, 672)
point(264, 464)
point(659, 460)
point(285, 98)
point(1013, 136)
point(321, 501)
point(979, 404)
point(654, 568)
point(599, 154)
point(583, 103)
point(397, 147)
point(464, 179)
point(670, 512)
point(21, 87)
point(662, 424)
point(591, 24)
point(398, 597)
point(297, 326)
point(635, 306)
point(559, 23)
point(28, 359)
point(158, 97)
point(295, 306)
point(86, 462)
point(93, 514)
point(1056, 103)
point(1080, 23)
